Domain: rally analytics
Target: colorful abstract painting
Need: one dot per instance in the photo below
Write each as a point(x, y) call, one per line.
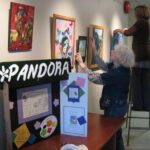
point(21, 27)
point(63, 38)
point(97, 32)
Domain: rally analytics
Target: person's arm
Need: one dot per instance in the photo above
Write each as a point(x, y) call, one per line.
point(92, 76)
point(120, 30)
point(101, 64)
point(132, 30)
point(107, 78)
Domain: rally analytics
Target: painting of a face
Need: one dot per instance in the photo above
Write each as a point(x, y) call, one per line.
point(64, 30)
point(21, 27)
point(65, 47)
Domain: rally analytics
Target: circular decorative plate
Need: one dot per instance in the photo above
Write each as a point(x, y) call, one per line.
point(48, 126)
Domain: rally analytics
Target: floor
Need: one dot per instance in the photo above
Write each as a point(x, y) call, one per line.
point(139, 139)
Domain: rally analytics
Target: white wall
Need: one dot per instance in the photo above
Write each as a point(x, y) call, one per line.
point(108, 13)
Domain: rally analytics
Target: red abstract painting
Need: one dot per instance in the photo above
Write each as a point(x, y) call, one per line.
point(21, 27)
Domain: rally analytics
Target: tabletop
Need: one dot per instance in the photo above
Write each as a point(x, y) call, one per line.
point(100, 130)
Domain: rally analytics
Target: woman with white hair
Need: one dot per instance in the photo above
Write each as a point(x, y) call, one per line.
point(115, 80)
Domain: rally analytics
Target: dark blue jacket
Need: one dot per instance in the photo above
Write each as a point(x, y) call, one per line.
point(115, 91)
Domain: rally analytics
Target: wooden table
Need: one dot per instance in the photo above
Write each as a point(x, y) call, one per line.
point(101, 135)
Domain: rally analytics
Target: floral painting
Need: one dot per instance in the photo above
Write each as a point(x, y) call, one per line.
point(21, 27)
point(63, 38)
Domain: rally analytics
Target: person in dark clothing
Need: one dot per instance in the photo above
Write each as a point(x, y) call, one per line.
point(115, 80)
point(141, 34)
point(140, 81)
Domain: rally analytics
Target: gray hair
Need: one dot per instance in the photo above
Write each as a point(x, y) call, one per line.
point(124, 55)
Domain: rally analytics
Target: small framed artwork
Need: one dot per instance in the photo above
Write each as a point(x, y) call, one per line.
point(82, 46)
point(72, 122)
point(63, 40)
point(73, 93)
point(21, 27)
point(97, 32)
point(34, 102)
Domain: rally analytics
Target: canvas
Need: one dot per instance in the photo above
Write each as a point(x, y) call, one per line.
point(21, 27)
point(74, 105)
point(97, 32)
point(82, 47)
point(63, 42)
point(118, 38)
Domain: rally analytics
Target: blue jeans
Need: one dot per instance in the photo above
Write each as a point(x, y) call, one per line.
point(119, 140)
point(117, 112)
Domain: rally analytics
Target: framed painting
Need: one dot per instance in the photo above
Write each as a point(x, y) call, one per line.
point(21, 27)
point(97, 32)
point(82, 46)
point(63, 40)
point(117, 38)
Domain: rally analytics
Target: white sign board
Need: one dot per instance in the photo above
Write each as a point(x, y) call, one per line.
point(74, 105)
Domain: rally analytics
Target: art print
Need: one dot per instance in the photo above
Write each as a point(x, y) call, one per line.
point(21, 27)
point(63, 42)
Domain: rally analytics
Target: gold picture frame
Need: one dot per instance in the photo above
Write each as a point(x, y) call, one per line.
point(97, 32)
point(63, 38)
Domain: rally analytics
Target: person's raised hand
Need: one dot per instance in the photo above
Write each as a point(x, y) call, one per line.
point(78, 58)
point(116, 30)
point(120, 30)
point(92, 45)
